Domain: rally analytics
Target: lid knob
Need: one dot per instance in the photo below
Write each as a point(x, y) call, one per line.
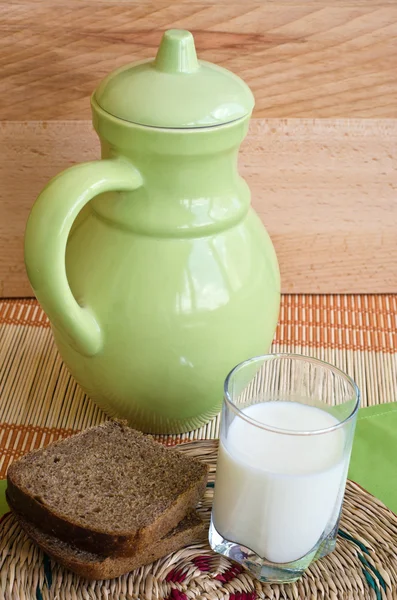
point(177, 53)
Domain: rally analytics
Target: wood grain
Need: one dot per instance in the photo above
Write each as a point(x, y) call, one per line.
point(325, 189)
point(302, 58)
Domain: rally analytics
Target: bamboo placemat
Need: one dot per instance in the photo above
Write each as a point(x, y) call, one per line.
point(363, 566)
point(40, 402)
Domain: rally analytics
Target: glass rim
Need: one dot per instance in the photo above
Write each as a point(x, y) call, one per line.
point(301, 357)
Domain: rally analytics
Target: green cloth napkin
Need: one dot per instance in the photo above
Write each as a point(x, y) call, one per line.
point(3, 503)
point(373, 463)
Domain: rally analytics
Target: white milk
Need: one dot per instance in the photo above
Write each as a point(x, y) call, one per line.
point(277, 494)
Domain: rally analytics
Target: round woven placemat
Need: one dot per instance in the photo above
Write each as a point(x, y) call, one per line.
point(363, 566)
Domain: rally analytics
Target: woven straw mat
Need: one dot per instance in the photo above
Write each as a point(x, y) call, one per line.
point(363, 566)
point(40, 402)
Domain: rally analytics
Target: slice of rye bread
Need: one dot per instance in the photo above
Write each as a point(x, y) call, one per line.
point(93, 566)
point(110, 490)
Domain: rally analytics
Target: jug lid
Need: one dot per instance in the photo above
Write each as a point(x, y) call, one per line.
point(175, 90)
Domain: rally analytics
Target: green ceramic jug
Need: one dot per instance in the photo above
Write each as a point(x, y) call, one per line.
point(155, 273)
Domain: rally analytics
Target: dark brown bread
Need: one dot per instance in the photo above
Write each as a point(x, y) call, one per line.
point(93, 566)
point(110, 490)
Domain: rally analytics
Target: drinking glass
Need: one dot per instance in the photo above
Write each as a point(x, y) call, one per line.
point(285, 442)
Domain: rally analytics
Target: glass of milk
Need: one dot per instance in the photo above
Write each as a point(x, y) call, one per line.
point(286, 436)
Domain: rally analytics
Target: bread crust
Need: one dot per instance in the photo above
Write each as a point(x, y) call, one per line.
point(92, 566)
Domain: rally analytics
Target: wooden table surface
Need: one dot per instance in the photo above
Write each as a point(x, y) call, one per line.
point(321, 154)
point(313, 58)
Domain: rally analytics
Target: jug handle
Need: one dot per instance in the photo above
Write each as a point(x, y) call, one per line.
point(46, 236)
